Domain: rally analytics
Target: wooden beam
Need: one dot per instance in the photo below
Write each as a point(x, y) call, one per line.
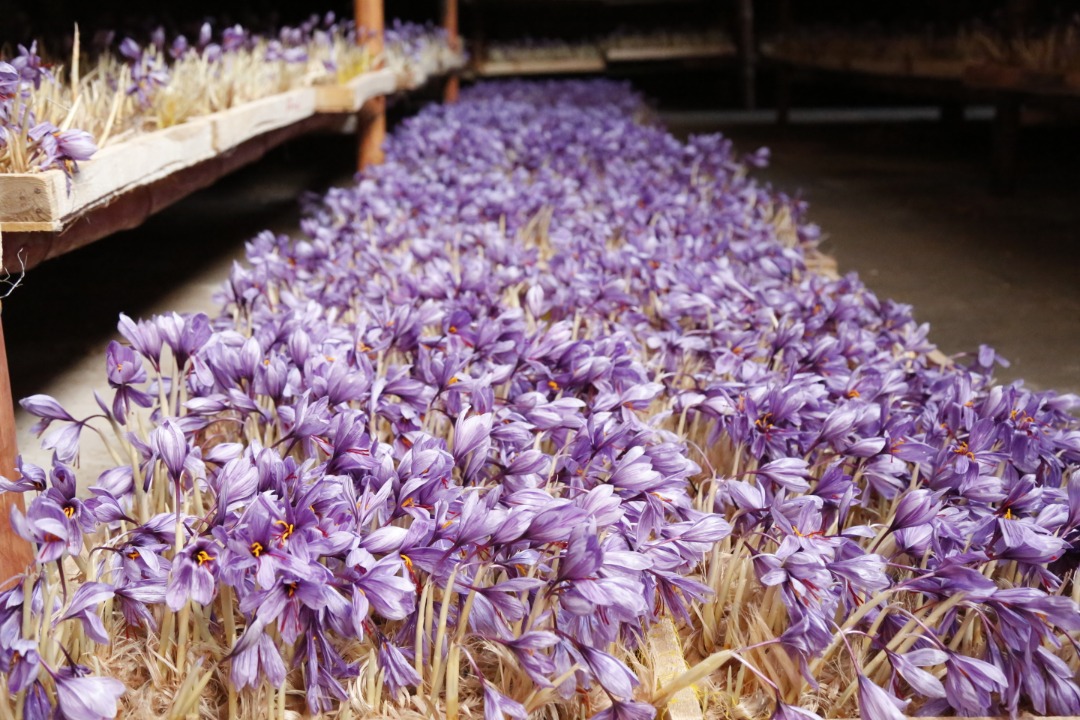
point(371, 22)
point(16, 553)
point(450, 21)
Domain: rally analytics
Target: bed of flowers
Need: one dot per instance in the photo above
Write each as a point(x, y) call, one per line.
point(545, 379)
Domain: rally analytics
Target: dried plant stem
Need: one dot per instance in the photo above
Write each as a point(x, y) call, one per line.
point(851, 621)
point(436, 650)
point(422, 608)
point(183, 628)
point(901, 643)
point(692, 676)
point(452, 676)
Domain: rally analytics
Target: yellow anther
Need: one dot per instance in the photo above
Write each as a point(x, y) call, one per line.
point(289, 527)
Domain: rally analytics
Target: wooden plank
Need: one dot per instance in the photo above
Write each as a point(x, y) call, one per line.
point(133, 207)
point(33, 199)
point(542, 67)
point(938, 68)
point(239, 124)
point(45, 201)
point(668, 663)
point(16, 553)
point(48, 201)
point(139, 161)
point(668, 52)
point(351, 96)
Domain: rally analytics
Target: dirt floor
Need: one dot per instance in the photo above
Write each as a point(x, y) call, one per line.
point(905, 205)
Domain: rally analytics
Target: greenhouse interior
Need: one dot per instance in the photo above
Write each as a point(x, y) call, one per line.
point(553, 359)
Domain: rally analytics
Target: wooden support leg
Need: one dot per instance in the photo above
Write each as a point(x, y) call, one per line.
point(452, 88)
point(1006, 140)
point(369, 17)
point(747, 53)
point(783, 94)
point(372, 132)
point(450, 22)
point(15, 553)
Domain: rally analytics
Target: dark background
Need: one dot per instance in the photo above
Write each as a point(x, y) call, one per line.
point(564, 18)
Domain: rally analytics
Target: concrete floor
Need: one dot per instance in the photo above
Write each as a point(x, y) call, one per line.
point(905, 205)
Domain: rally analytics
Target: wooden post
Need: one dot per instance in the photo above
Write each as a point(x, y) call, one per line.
point(370, 21)
point(783, 93)
point(450, 22)
point(747, 53)
point(784, 70)
point(15, 553)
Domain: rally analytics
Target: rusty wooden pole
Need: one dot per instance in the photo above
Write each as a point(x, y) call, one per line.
point(450, 22)
point(15, 553)
point(370, 22)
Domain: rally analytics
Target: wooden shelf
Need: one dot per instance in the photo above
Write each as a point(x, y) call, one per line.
point(1025, 82)
point(45, 214)
point(351, 96)
point(660, 53)
point(556, 66)
point(910, 68)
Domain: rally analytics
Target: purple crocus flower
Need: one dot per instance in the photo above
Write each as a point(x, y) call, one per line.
point(22, 664)
point(64, 441)
point(910, 667)
point(874, 702)
point(60, 148)
point(398, 672)
point(30, 66)
point(124, 370)
point(783, 711)
point(82, 696)
point(969, 683)
point(47, 526)
point(144, 337)
point(255, 657)
point(915, 508)
point(84, 607)
point(610, 672)
point(169, 444)
point(9, 81)
point(193, 575)
point(497, 706)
